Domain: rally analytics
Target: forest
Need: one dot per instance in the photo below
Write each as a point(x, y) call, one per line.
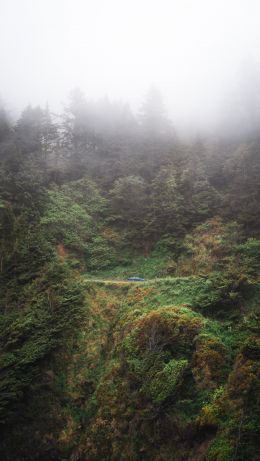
point(96, 368)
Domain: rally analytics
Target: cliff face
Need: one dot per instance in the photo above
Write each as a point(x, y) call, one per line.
point(143, 375)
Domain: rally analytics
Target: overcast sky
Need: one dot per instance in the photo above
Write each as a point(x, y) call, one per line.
point(192, 50)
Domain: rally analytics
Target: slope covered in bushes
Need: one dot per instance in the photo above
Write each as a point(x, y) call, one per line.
point(97, 368)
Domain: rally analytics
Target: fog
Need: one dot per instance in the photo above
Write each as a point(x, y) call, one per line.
point(203, 55)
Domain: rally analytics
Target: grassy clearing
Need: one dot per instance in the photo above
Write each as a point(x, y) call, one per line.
point(154, 266)
point(194, 291)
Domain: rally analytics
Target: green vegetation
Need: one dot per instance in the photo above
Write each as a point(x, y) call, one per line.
point(92, 366)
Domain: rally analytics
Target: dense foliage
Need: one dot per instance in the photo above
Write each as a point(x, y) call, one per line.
point(92, 367)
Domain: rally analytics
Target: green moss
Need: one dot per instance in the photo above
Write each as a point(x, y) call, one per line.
point(164, 383)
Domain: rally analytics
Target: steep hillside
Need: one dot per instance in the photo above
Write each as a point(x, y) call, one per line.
point(145, 374)
point(92, 366)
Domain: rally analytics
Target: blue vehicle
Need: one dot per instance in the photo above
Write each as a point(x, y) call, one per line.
point(135, 279)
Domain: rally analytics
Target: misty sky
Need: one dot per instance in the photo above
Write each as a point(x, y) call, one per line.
point(192, 50)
